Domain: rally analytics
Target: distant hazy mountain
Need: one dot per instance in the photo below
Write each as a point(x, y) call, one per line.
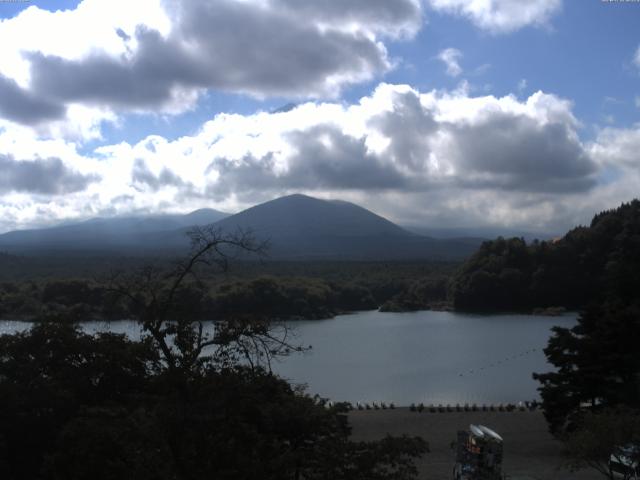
point(297, 227)
point(106, 233)
point(302, 227)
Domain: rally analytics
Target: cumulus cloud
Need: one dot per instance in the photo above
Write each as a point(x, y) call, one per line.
point(516, 152)
point(396, 140)
point(166, 59)
point(323, 158)
point(48, 176)
point(501, 16)
point(435, 157)
point(451, 58)
point(274, 57)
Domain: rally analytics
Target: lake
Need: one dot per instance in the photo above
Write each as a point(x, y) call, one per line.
point(429, 357)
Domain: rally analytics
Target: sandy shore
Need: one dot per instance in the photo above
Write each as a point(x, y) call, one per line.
point(530, 451)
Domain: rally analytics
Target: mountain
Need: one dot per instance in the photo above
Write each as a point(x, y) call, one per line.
point(302, 227)
point(300, 215)
point(485, 233)
point(106, 233)
point(297, 227)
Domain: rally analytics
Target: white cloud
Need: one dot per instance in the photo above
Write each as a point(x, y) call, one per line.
point(451, 58)
point(636, 58)
point(501, 16)
point(94, 25)
point(637, 101)
point(617, 148)
point(159, 56)
point(442, 157)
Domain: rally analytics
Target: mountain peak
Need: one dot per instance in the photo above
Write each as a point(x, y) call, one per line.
point(312, 216)
point(295, 197)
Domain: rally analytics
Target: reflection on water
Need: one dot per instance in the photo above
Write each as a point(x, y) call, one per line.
point(430, 357)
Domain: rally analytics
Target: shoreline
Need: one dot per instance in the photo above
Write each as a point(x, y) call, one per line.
point(530, 452)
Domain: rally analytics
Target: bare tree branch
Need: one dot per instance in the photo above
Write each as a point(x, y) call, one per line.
point(153, 295)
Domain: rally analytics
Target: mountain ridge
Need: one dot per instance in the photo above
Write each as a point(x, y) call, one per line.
point(298, 227)
point(107, 231)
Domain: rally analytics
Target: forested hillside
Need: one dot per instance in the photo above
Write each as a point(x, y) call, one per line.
point(587, 264)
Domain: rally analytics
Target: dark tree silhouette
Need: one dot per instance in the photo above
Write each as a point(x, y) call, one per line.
point(52, 372)
point(594, 263)
point(597, 365)
point(608, 435)
point(167, 302)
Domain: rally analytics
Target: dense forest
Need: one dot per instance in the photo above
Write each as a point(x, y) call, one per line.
point(284, 290)
point(591, 399)
point(588, 264)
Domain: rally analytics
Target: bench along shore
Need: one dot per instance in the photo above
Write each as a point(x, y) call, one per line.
point(530, 452)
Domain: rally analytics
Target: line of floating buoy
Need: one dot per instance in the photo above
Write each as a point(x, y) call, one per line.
point(498, 362)
point(501, 407)
point(441, 408)
point(373, 406)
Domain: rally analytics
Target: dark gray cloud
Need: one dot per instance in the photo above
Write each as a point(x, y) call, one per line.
point(324, 158)
point(47, 176)
point(384, 15)
point(22, 106)
point(226, 45)
point(510, 151)
point(327, 158)
point(143, 82)
point(141, 175)
point(505, 151)
point(274, 53)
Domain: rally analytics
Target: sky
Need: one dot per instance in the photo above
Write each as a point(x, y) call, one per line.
point(433, 113)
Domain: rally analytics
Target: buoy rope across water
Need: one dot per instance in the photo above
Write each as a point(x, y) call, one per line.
point(497, 363)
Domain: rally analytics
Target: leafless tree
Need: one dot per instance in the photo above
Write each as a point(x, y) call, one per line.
point(163, 301)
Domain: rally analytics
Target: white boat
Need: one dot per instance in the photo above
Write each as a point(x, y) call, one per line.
point(491, 433)
point(476, 430)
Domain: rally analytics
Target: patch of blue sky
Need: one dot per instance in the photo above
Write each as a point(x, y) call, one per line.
point(11, 8)
point(585, 55)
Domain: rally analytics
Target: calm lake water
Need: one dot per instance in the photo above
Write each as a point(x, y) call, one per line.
point(430, 357)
